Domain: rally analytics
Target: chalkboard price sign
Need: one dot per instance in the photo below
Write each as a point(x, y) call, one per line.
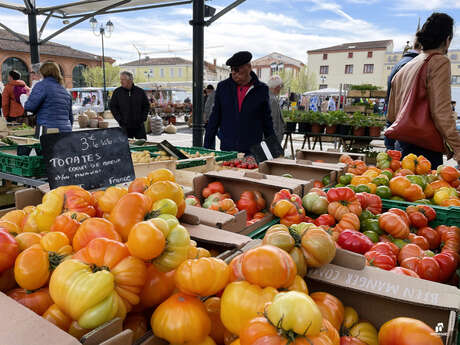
point(92, 158)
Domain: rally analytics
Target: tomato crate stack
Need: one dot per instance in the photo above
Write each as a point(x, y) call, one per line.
point(23, 165)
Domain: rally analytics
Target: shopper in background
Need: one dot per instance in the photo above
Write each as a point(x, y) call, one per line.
point(241, 109)
point(435, 38)
point(209, 103)
point(130, 106)
point(331, 105)
point(410, 53)
point(325, 105)
point(50, 101)
point(275, 84)
point(11, 103)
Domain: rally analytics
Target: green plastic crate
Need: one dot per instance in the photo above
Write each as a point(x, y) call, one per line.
point(259, 233)
point(27, 166)
point(219, 155)
point(444, 215)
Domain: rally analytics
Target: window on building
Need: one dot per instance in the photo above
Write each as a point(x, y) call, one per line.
point(77, 76)
point(369, 54)
point(324, 70)
point(454, 57)
point(17, 64)
point(324, 56)
point(171, 72)
point(348, 69)
point(322, 86)
point(456, 79)
point(162, 72)
point(179, 72)
point(346, 86)
point(388, 68)
point(350, 55)
point(368, 68)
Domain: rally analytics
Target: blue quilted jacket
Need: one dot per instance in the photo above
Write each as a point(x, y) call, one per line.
point(52, 104)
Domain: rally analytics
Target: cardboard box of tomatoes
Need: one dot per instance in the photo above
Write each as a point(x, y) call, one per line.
point(235, 183)
point(326, 156)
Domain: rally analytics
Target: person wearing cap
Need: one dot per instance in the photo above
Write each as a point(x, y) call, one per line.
point(241, 113)
point(209, 103)
point(275, 84)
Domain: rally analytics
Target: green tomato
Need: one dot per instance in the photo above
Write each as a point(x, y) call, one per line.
point(353, 188)
point(381, 180)
point(287, 175)
point(383, 164)
point(418, 179)
point(423, 201)
point(339, 185)
point(383, 156)
point(362, 188)
point(165, 206)
point(387, 174)
point(373, 236)
point(429, 253)
point(371, 225)
point(170, 219)
point(326, 180)
point(431, 178)
point(383, 192)
point(397, 198)
point(345, 179)
point(315, 203)
point(366, 214)
point(399, 242)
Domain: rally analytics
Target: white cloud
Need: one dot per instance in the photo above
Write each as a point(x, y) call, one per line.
point(421, 5)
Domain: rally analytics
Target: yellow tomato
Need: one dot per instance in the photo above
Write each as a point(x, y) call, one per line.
point(372, 174)
point(441, 195)
point(357, 180)
point(372, 187)
point(365, 332)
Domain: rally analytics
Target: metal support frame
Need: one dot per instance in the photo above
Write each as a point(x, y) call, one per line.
point(15, 34)
point(198, 24)
point(224, 11)
point(44, 24)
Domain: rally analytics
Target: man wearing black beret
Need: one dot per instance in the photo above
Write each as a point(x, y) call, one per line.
point(241, 112)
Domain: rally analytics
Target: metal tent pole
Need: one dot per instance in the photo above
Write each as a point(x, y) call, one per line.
point(198, 57)
point(33, 35)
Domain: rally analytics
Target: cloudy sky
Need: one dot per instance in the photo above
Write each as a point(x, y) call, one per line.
point(290, 27)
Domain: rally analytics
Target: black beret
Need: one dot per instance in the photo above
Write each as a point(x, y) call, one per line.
point(239, 59)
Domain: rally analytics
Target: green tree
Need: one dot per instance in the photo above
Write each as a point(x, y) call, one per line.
point(94, 77)
point(300, 82)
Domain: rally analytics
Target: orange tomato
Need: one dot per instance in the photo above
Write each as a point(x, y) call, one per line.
point(15, 216)
point(167, 190)
point(161, 175)
point(146, 241)
point(27, 239)
point(331, 308)
point(139, 185)
point(407, 331)
point(94, 228)
point(158, 287)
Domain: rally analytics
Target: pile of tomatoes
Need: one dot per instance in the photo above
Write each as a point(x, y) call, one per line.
point(248, 162)
point(410, 179)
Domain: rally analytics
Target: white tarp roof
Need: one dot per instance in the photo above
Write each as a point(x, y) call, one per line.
point(323, 92)
point(11, 5)
point(99, 4)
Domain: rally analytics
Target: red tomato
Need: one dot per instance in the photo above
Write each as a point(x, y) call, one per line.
point(405, 272)
point(325, 219)
point(354, 241)
point(9, 249)
point(418, 220)
point(427, 267)
point(383, 261)
point(318, 184)
point(432, 236)
point(447, 265)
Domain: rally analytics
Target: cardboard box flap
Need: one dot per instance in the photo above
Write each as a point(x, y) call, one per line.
point(206, 216)
point(149, 339)
point(123, 338)
point(348, 259)
point(103, 333)
point(372, 280)
point(222, 238)
point(20, 325)
point(28, 197)
point(326, 156)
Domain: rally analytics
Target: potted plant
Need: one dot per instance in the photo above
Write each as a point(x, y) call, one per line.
point(343, 123)
point(317, 122)
point(375, 128)
point(357, 121)
point(331, 120)
point(305, 122)
point(291, 121)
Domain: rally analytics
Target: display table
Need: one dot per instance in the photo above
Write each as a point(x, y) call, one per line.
point(344, 141)
point(26, 181)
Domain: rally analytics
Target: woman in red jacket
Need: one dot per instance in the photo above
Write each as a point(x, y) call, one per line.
point(11, 106)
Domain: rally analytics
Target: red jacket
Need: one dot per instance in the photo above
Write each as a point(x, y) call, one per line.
point(10, 107)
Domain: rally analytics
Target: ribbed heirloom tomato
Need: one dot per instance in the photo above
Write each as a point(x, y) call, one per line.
point(330, 306)
point(94, 228)
point(38, 301)
point(158, 287)
point(212, 305)
point(9, 250)
point(407, 331)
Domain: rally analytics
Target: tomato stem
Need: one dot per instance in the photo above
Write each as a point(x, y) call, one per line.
point(95, 268)
point(54, 260)
point(152, 214)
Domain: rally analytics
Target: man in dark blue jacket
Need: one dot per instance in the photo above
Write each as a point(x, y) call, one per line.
point(241, 112)
point(390, 144)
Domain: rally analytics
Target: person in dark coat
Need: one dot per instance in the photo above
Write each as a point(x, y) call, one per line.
point(390, 144)
point(241, 112)
point(50, 101)
point(130, 106)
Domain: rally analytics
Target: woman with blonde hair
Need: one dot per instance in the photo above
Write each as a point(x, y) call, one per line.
point(50, 101)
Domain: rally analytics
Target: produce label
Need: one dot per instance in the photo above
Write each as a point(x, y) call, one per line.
point(92, 158)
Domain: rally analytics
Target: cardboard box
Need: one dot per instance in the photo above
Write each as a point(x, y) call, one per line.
point(304, 172)
point(21, 326)
point(143, 169)
point(379, 295)
point(326, 156)
point(359, 93)
point(236, 182)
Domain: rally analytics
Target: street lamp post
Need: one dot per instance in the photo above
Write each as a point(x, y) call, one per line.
point(104, 30)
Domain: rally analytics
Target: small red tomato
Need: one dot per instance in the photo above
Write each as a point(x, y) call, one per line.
point(325, 219)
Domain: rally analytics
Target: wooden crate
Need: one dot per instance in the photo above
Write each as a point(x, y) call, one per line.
point(379, 93)
point(355, 108)
point(359, 93)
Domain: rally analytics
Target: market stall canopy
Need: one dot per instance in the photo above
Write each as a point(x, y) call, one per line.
point(323, 92)
point(11, 5)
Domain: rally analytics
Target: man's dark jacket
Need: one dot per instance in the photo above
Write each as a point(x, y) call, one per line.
point(129, 107)
point(239, 130)
point(408, 56)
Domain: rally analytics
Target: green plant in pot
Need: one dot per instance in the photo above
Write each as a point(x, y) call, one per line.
point(290, 118)
point(358, 122)
point(317, 122)
point(331, 121)
point(376, 125)
point(343, 123)
point(305, 122)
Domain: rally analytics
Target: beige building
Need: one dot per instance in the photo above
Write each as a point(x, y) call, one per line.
point(392, 58)
point(350, 64)
point(273, 63)
point(173, 69)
